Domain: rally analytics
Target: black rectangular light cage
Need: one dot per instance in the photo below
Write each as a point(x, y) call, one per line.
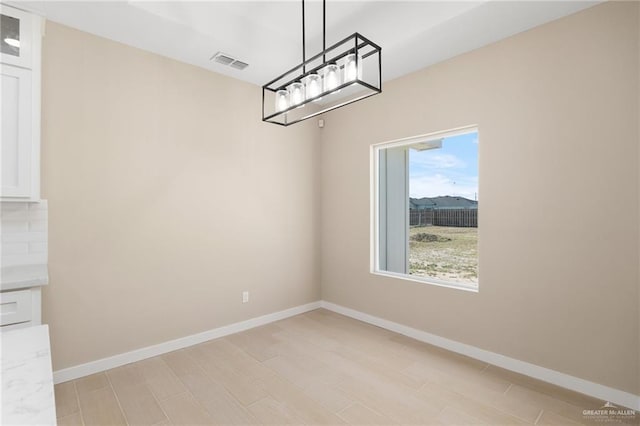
point(366, 82)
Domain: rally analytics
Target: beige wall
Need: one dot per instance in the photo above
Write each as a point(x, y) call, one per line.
point(168, 197)
point(557, 110)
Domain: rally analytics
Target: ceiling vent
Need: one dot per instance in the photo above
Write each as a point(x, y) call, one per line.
point(239, 65)
point(228, 60)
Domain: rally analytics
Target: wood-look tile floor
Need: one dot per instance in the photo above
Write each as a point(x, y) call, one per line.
point(315, 368)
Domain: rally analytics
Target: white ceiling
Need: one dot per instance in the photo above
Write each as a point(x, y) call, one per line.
point(267, 34)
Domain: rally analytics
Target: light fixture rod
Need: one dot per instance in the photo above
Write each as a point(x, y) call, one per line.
point(303, 41)
point(324, 29)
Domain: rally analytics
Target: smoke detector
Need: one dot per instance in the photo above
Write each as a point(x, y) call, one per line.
point(229, 61)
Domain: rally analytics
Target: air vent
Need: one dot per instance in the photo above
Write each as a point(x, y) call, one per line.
point(239, 65)
point(228, 60)
point(223, 59)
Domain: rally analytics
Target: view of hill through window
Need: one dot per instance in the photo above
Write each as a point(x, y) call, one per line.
point(443, 209)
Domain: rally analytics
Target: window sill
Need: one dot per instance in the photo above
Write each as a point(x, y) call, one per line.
point(426, 280)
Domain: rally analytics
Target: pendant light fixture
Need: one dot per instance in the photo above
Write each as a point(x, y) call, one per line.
point(343, 73)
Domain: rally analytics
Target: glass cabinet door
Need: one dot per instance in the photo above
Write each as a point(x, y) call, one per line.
point(15, 37)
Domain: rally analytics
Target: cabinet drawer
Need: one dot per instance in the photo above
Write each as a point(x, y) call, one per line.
point(15, 307)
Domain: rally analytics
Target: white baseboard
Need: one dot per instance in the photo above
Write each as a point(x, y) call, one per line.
point(103, 364)
point(541, 373)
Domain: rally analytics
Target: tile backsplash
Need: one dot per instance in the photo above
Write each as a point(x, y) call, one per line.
point(23, 233)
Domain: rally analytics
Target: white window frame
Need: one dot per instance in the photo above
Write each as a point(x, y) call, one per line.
point(375, 207)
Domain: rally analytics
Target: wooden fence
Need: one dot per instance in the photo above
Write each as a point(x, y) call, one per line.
point(467, 218)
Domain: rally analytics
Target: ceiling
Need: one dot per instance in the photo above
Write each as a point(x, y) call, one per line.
point(267, 34)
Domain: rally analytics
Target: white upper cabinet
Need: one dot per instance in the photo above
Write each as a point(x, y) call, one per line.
point(20, 57)
point(17, 140)
point(16, 43)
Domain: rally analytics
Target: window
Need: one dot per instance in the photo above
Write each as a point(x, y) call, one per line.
point(425, 208)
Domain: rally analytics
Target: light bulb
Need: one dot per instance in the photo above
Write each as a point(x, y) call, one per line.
point(12, 42)
point(331, 77)
point(350, 68)
point(313, 86)
point(282, 100)
point(296, 93)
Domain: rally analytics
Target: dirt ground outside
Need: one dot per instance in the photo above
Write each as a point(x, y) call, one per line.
point(445, 253)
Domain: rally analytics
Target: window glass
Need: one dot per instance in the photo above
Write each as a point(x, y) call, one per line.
point(427, 208)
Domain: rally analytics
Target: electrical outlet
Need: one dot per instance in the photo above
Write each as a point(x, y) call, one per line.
point(245, 296)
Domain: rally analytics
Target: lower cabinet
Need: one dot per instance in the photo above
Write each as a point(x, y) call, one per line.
point(20, 308)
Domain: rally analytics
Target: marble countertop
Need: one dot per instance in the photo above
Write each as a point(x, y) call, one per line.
point(23, 276)
point(27, 378)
